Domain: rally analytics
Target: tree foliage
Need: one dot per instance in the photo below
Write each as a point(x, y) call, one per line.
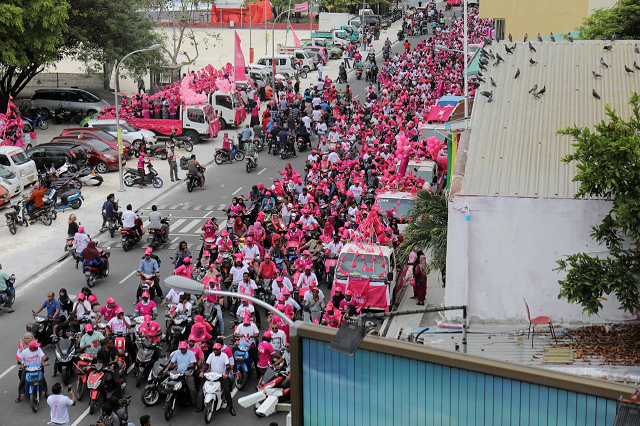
point(607, 163)
point(623, 20)
point(31, 33)
point(428, 229)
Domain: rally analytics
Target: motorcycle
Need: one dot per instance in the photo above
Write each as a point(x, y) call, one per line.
point(287, 151)
point(342, 77)
point(63, 115)
point(157, 237)
point(3, 296)
point(85, 176)
point(148, 284)
point(84, 366)
point(34, 385)
point(176, 391)
point(34, 118)
point(155, 150)
point(177, 332)
point(66, 353)
point(132, 177)
point(400, 35)
point(92, 273)
point(303, 142)
point(112, 225)
point(183, 142)
point(222, 156)
point(144, 358)
point(151, 394)
point(69, 246)
point(16, 218)
point(40, 214)
point(212, 390)
point(40, 329)
point(242, 364)
point(193, 181)
point(99, 385)
point(367, 74)
point(71, 198)
point(270, 393)
point(129, 238)
point(358, 72)
point(226, 263)
point(251, 163)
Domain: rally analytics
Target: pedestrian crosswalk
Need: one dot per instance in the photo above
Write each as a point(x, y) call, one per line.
point(189, 206)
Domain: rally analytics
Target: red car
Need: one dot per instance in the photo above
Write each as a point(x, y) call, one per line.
point(101, 135)
point(5, 197)
point(102, 158)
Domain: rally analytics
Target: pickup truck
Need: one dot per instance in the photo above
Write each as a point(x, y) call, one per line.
point(337, 37)
point(352, 31)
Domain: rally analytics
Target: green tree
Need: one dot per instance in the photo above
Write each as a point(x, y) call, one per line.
point(30, 37)
point(428, 229)
point(623, 19)
point(607, 167)
point(101, 32)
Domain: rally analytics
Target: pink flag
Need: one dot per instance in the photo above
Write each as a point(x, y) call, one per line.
point(301, 7)
point(296, 40)
point(239, 65)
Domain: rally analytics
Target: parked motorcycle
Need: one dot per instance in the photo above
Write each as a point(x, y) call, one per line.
point(62, 200)
point(34, 117)
point(16, 218)
point(85, 176)
point(183, 142)
point(92, 273)
point(63, 115)
point(132, 177)
point(222, 156)
point(66, 353)
point(155, 150)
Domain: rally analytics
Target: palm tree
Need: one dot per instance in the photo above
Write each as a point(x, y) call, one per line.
point(427, 229)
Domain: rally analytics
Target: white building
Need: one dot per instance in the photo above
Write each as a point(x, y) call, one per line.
point(512, 212)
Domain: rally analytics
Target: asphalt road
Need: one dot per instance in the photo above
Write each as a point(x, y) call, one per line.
point(189, 212)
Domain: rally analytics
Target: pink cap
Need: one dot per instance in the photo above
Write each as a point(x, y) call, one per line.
point(149, 250)
point(34, 344)
point(93, 298)
point(217, 346)
point(119, 311)
point(267, 335)
point(80, 296)
point(206, 253)
point(286, 291)
point(183, 345)
point(81, 229)
point(280, 279)
point(349, 293)
point(247, 318)
point(306, 253)
point(249, 239)
point(224, 233)
point(88, 327)
point(186, 260)
point(281, 299)
point(147, 318)
point(145, 294)
point(111, 300)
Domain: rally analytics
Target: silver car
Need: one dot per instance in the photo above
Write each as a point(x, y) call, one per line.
point(72, 99)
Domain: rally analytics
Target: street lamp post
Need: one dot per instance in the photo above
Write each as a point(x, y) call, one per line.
point(154, 47)
point(465, 52)
point(273, 49)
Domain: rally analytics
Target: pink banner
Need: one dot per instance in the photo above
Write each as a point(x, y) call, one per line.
point(164, 127)
point(365, 293)
point(301, 7)
point(296, 40)
point(214, 127)
point(440, 87)
point(238, 64)
point(241, 114)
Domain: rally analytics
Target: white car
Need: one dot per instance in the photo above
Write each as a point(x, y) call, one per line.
point(10, 181)
point(129, 132)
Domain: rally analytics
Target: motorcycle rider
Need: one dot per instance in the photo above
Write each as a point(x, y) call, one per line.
point(342, 73)
point(4, 288)
point(247, 332)
point(184, 362)
point(121, 324)
point(53, 311)
point(218, 362)
point(35, 200)
point(146, 306)
point(107, 354)
point(129, 218)
point(110, 210)
point(252, 253)
point(285, 143)
point(108, 311)
point(147, 266)
point(151, 329)
point(31, 356)
point(156, 222)
point(245, 135)
point(80, 241)
point(193, 168)
point(91, 341)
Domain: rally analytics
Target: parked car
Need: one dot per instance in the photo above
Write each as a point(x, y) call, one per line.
point(72, 99)
point(48, 155)
point(5, 197)
point(320, 52)
point(100, 157)
point(130, 133)
point(11, 181)
point(102, 135)
point(16, 160)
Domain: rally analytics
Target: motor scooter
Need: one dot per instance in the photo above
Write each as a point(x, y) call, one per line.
point(212, 391)
point(176, 391)
point(66, 353)
point(177, 331)
point(132, 177)
point(151, 394)
point(148, 284)
point(62, 200)
point(3, 296)
point(270, 393)
point(157, 237)
point(144, 358)
point(84, 366)
point(92, 272)
point(183, 142)
point(41, 329)
point(130, 237)
point(34, 385)
point(242, 364)
point(222, 156)
point(100, 382)
point(16, 218)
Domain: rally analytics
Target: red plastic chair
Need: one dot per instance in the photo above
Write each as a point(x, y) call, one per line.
point(541, 320)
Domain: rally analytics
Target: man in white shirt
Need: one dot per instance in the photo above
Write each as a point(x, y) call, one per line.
point(246, 333)
point(278, 338)
point(244, 308)
point(247, 285)
point(308, 220)
point(307, 122)
point(129, 217)
point(237, 270)
point(59, 403)
point(173, 297)
point(313, 157)
point(333, 156)
point(317, 113)
point(218, 362)
point(288, 300)
point(309, 295)
point(307, 279)
point(251, 252)
point(321, 128)
point(356, 189)
point(304, 197)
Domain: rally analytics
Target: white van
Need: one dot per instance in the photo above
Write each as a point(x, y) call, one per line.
point(305, 57)
point(16, 160)
point(427, 170)
point(285, 64)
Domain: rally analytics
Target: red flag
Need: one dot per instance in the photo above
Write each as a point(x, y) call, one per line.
point(296, 40)
point(239, 64)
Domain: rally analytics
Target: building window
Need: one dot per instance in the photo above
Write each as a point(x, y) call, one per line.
point(498, 29)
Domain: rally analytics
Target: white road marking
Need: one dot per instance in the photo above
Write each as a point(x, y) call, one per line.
point(161, 207)
point(82, 416)
point(127, 277)
point(198, 207)
point(223, 224)
point(7, 371)
point(233, 392)
point(237, 190)
point(262, 171)
point(145, 224)
point(208, 214)
point(175, 224)
point(188, 227)
point(174, 207)
point(222, 207)
point(175, 239)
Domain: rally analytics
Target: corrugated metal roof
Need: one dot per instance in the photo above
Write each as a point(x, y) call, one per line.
point(514, 149)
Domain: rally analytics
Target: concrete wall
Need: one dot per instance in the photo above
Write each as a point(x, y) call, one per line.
point(51, 80)
point(541, 16)
point(506, 247)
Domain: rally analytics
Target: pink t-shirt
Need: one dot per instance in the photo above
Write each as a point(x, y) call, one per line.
point(149, 328)
point(145, 309)
point(264, 354)
point(108, 313)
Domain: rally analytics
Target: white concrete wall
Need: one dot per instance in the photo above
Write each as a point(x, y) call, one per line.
point(601, 4)
point(513, 246)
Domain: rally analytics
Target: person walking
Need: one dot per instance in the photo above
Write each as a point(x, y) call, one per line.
point(173, 165)
point(320, 67)
point(345, 58)
point(141, 87)
point(59, 405)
